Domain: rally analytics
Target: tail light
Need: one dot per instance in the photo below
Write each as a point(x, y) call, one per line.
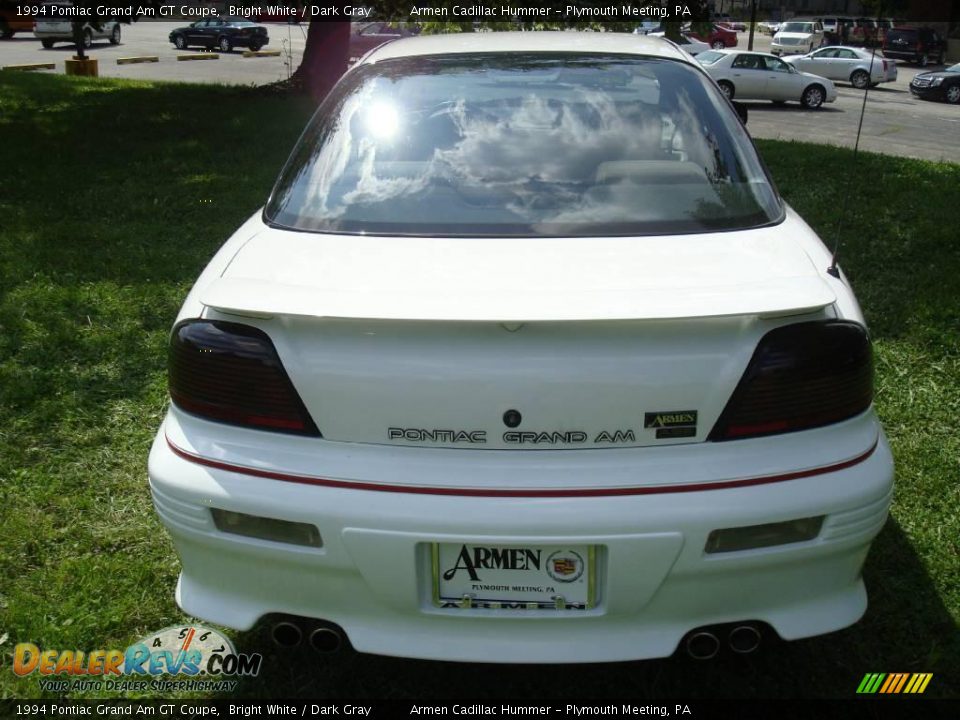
point(231, 373)
point(801, 376)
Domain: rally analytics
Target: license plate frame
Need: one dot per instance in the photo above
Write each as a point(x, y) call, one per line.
point(569, 584)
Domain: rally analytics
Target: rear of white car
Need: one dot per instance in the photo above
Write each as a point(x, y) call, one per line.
point(524, 361)
point(55, 24)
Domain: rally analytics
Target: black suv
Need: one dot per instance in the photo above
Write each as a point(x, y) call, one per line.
point(919, 45)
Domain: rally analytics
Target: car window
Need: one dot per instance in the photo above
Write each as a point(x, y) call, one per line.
point(748, 62)
point(776, 64)
point(827, 53)
point(524, 145)
point(797, 27)
point(709, 57)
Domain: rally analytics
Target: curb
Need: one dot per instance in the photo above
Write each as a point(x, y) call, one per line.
point(31, 66)
point(199, 56)
point(138, 59)
point(261, 53)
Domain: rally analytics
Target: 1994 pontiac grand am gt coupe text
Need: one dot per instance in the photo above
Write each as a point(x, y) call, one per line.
point(524, 360)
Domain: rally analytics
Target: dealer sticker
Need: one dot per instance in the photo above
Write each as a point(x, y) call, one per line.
point(514, 577)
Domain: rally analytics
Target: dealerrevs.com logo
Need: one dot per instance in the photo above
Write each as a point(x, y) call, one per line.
point(200, 657)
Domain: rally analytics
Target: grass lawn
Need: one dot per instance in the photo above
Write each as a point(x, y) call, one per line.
point(114, 194)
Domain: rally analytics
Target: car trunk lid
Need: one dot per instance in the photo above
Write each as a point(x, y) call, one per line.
point(593, 342)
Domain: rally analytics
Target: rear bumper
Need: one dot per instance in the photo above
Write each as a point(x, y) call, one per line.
point(655, 582)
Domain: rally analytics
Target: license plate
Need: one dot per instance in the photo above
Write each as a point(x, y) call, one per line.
point(514, 577)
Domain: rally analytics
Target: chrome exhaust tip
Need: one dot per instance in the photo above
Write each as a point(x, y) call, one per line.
point(326, 640)
point(703, 645)
point(286, 634)
point(744, 639)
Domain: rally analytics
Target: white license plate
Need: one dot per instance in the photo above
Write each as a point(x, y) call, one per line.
point(522, 577)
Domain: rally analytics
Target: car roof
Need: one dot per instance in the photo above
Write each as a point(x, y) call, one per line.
point(539, 41)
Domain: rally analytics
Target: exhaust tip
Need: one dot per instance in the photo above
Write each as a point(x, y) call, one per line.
point(703, 645)
point(744, 639)
point(326, 640)
point(286, 634)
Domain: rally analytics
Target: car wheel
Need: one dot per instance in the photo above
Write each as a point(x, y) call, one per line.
point(812, 97)
point(255, 46)
point(225, 44)
point(727, 88)
point(88, 38)
point(47, 43)
point(180, 41)
point(859, 79)
point(717, 45)
point(952, 94)
point(115, 35)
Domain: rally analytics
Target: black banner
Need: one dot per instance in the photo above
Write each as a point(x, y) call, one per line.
point(383, 10)
point(854, 709)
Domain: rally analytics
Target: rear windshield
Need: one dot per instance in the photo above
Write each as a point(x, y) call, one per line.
point(709, 57)
point(525, 145)
point(902, 35)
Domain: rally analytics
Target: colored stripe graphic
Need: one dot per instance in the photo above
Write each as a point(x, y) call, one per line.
point(894, 683)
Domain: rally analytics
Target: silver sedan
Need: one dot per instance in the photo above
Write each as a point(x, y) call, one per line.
point(856, 66)
point(762, 76)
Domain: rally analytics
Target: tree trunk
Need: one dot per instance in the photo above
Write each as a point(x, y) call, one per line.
point(78, 37)
point(325, 57)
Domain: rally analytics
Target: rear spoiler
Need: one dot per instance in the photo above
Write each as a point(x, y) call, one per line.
point(780, 296)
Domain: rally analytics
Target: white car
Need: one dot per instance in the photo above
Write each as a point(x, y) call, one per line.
point(797, 36)
point(686, 42)
point(524, 360)
point(856, 66)
point(51, 29)
point(762, 76)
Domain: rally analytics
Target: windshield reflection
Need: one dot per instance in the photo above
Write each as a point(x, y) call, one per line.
point(524, 145)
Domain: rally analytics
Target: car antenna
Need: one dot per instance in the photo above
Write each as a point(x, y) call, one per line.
point(834, 269)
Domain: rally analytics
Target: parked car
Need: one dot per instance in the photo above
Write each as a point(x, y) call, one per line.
point(864, 32)
point(856, 66)
point(648, 26)
point(719, 38)
point(768, 27)
point(763, 76)
point(51, 29)
point(725, 19)
point(524, 360)
point(224, 33)
point(797, 36)
point(919, 45)
point(12, 21)
point(943, 85)
point(365, 36)
point(687, 41)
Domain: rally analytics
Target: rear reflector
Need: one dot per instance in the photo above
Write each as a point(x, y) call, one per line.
point(761, 536)
point(264, 528)
point(801, 376)
point(231, 373)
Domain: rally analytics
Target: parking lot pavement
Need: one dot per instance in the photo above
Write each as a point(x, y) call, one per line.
point(895, 123)
point(152, 38)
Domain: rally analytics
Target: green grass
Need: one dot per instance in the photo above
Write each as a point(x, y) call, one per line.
point(114, 194)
